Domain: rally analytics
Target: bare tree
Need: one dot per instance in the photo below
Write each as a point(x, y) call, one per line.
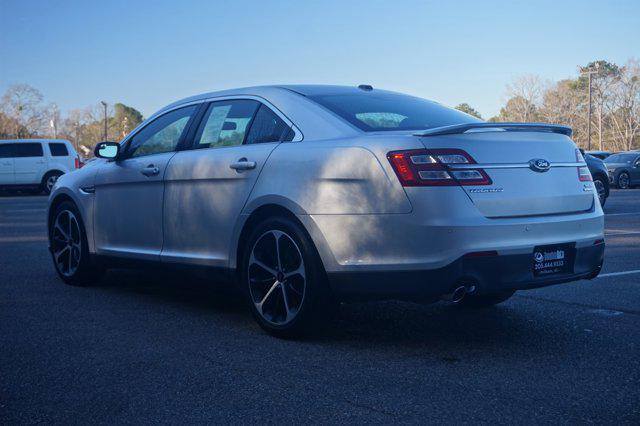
point(23, 104)
point(525, 94)
point(624, 106)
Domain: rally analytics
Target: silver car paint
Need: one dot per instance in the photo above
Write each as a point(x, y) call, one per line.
point(337, 181)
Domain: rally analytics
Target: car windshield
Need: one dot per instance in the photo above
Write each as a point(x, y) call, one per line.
point(621, 158)
point(371, 111)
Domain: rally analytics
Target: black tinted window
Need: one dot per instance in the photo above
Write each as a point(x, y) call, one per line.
point(58, 149)
point(375, 111)
point(6, 150)
point(267, 127)
point(26, 149)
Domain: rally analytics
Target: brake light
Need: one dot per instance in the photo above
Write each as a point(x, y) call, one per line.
point(78, 163)
point(584, 175)
point(436, 167)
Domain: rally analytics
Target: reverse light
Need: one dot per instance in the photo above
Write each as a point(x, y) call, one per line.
point(436, 167)
point(584, 175)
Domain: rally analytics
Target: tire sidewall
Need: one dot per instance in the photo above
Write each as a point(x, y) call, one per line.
point(604, 198)
point(628, 182)
point(43, 185)
point(315, 286)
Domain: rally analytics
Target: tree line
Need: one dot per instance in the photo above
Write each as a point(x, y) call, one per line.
point(615, 104)
point(23, 114)
point(615, 110)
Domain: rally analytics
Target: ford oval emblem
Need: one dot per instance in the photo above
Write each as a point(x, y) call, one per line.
point(539, 165)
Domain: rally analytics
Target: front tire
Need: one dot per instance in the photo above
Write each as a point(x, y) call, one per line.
point(69, 248)
point(485, 300)
point(623, 180)
point(283, 279)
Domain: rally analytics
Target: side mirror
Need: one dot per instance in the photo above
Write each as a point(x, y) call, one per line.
point(108, 150)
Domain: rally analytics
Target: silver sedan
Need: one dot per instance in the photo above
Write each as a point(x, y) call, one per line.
point(308, 195)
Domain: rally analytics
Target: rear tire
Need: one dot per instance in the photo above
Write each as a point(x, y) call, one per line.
point(485, 300)
point(623, 181)
point(600, 186)
point(283, 279)
point(69, 248)
point(48, 181)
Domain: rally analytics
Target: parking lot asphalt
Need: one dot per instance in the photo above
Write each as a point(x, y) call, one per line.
point(143, 347)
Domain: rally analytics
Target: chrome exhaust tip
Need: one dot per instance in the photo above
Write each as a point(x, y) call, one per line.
point(459, 293)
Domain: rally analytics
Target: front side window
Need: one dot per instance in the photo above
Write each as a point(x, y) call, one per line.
point(58, 150)
point(26, 149)
point(371, 111)
point(225, 123)
point(162, 134)
point(268, 127)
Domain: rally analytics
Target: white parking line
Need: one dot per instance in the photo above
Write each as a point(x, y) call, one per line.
point(615, 274)
point(622, 214)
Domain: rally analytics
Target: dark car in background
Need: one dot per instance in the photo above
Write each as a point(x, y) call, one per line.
point(624, 169)
point(598, 171)
point(599, 154)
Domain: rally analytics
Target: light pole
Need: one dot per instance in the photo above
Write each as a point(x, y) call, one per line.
point(589, 72)
point(53, 123)
point(104, 104)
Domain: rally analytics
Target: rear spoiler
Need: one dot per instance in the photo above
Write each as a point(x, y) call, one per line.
point(457, 129)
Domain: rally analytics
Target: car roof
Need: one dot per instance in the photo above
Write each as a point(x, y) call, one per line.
point(33, 140)
point(276, 89)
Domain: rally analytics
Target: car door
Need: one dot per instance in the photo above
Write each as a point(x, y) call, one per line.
point(29, 163)
point(207, 186)
point(6, 164)
point(129, 190)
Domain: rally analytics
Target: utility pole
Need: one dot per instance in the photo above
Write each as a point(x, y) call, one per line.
point(104, 104)
point(53, 123)
point(589, 72)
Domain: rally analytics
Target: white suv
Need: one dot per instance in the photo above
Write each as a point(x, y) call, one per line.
point(35, 163)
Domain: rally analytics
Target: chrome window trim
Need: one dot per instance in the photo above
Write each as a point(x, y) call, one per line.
point(298, 137)
point(510, 165)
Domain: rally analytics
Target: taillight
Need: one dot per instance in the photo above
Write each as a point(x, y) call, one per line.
point(584, 175)
point(79, 163)
point(436, 167)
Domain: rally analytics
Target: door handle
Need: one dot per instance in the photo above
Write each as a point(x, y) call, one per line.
point(150, 170)
point(8, 163)
point(242, 164)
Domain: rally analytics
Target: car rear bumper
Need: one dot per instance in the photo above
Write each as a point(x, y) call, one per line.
point(489, 274)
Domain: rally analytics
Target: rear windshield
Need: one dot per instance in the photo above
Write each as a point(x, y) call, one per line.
point(372, 112)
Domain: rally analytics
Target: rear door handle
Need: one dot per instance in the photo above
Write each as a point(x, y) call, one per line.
point(243, 164)
point(150, 170)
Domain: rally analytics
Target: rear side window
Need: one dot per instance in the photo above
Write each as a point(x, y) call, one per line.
point(267, 127)
point(225, 123)
point(27, 149)
point(376, 111)
point(58, 150)
point(6, 150)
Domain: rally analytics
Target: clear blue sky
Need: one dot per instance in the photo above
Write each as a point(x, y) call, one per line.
point(147, 54)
